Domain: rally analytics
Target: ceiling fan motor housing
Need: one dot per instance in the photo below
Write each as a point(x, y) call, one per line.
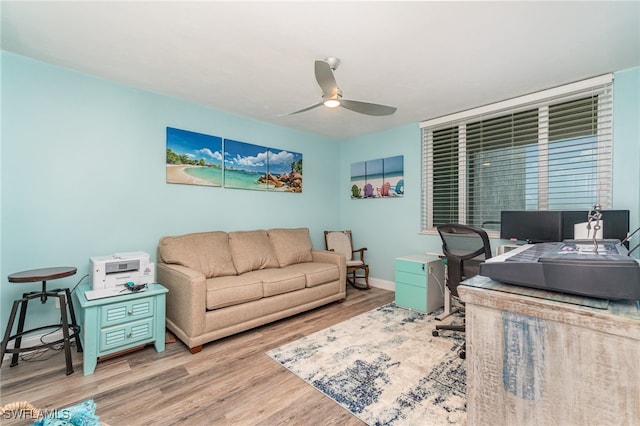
point(333, 62)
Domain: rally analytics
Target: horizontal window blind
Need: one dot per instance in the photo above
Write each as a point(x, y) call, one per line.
point(550, 154)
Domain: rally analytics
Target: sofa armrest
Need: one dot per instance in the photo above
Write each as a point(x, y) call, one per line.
point(325, 256)
point(186, 300)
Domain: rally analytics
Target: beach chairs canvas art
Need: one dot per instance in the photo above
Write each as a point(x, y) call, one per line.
point(379, 178)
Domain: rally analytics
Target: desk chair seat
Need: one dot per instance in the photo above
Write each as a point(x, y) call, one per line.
point(464, 247)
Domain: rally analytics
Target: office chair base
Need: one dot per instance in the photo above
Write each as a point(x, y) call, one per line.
point(462, 352)
point(450, 327)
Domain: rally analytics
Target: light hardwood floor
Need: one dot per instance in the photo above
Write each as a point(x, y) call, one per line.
point(231, 381)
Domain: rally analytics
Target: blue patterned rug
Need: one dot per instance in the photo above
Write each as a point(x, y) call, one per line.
point(385, 367)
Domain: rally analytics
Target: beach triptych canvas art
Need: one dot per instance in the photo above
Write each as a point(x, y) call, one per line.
point(379, 178)
point(198, 159)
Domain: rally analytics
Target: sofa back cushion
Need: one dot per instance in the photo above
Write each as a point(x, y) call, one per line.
point(291, 246)
point(207, 252)
point(251, 250)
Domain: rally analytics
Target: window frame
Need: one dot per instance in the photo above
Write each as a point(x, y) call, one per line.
point(539, 100)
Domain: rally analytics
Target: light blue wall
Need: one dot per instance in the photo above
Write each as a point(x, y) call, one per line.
point(626, 154)
point(389, 227)
point(83, 173)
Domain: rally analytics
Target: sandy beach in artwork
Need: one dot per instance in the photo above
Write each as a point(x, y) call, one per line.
point(176, 174)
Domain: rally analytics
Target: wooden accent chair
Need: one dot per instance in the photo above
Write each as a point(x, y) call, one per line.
point(342, 242)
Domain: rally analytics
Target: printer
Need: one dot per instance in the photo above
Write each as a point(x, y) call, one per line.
point(114, 271)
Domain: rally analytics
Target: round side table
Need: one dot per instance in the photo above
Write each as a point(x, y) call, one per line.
point(70, 330)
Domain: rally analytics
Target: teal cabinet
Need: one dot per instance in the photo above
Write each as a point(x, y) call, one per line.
point(419, 283)
point(113, 324)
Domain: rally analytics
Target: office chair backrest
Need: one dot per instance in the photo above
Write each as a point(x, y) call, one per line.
point(465, 247)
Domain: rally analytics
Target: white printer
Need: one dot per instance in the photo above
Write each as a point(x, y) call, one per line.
point(114, 271)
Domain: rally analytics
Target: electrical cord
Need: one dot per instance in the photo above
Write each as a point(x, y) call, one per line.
point(38, 354)
point(628, 238)
point(440, 284)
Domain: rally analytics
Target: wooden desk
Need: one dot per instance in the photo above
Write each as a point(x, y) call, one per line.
point(533, 360)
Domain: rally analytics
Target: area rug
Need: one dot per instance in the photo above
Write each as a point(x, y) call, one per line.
point(385, 367)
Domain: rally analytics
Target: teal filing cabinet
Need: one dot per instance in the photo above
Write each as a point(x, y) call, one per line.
point(420, 283)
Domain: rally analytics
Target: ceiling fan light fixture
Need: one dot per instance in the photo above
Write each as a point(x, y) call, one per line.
point(332, 103)
point(332, 96)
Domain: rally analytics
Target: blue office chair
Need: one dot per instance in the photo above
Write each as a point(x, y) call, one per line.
point(464, 247)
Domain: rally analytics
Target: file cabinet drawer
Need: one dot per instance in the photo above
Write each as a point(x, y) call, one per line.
point(413, 279)
point(411, 297)
point(411, 267)
point(124, 335)
point(119, 313)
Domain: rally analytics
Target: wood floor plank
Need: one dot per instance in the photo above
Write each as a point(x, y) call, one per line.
point(231, 381)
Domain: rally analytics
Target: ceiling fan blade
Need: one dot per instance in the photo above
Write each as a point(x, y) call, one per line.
point(325, 78)
point(367, 108)
point(305, 109)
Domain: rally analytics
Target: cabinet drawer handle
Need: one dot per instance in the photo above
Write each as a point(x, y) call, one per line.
point(129, 312)
point(128, 335)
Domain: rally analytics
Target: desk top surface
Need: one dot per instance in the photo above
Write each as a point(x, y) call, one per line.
point(626, 309)
point(42, 274)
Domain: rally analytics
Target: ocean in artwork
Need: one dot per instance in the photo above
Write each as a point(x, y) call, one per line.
point(256, 167)
point(193, 158)
point(243, 179)
point(210, 175)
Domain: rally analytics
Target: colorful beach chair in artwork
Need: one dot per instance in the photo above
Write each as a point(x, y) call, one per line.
point(399, 189)
point(384, 191)
point(368, 191)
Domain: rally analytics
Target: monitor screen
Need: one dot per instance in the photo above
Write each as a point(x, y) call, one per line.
point(531, 226)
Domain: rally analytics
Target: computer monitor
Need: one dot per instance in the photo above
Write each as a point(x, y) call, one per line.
point(615, 223)
point(531, 226)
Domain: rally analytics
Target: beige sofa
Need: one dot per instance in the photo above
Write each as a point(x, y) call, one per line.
point(221, 283)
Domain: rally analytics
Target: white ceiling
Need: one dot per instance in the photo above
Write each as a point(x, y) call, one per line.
point(255, 59)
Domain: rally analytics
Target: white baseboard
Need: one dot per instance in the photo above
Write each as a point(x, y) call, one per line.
point(383, 284)
point(33, 340)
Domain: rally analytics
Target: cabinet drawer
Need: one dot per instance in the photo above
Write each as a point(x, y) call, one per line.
point(412, 267)
point(120, 337)
point(119, 313)
point(412, 297)
point(413, 279)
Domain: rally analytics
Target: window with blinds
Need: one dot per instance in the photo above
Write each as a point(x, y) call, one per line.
point(547, 151)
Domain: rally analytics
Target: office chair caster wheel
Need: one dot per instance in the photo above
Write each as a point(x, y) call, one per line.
point(435, 333)
point(462, 354)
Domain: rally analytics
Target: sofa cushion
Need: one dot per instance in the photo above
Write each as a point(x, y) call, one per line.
point(207, 252)
point(291, 245)
point(251, 250)
point(232, 290)
point(316, 273)
point(277, 280)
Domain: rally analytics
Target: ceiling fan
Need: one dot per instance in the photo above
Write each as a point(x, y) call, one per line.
point(332, 95)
